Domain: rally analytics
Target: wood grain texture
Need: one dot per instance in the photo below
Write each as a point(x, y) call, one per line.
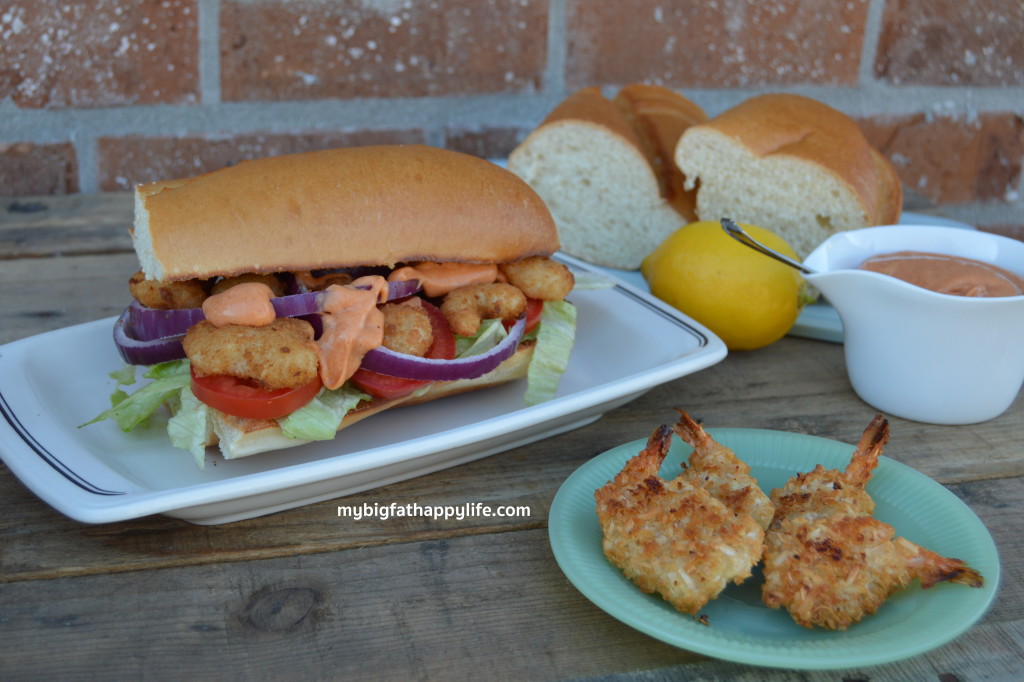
point(493, 606)
point(304, 594)
point(36, 227)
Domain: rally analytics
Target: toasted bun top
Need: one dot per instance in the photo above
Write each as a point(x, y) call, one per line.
point(339, 208)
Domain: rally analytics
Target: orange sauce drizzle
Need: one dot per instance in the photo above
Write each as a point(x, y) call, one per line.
point(353, 325)
point(245, 304)
point(437, 279)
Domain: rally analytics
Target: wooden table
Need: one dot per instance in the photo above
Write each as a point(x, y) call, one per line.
point(305, 595)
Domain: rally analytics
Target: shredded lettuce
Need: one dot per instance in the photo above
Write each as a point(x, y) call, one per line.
point(320, 418)
point(586, 280)
point(190, 427)
point(555, 337)
point(131, 410)
point(489, 335)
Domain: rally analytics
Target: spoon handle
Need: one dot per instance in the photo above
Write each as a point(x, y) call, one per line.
point(740, 235)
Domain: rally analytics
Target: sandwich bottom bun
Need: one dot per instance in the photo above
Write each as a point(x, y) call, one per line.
point(240, 437)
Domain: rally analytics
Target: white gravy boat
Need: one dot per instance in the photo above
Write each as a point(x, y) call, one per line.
point(918, 354)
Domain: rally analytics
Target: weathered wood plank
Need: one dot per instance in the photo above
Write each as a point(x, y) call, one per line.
point(486, 607)
point(76, 224)
point(42, 294)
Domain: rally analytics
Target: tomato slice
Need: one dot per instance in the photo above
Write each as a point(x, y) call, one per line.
point(534, 307)
point(243, 398)
point(387, 386)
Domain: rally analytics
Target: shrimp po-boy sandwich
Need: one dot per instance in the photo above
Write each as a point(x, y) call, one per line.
point(283, 299)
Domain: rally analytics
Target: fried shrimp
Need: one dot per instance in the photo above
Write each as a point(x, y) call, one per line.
point(717, 469)
point(407, 329)
point(271, 281)
point(540, 278)
point(466, 307)
point(673, 537)
point(280, 355)
point(828, 561)
point(167, 295)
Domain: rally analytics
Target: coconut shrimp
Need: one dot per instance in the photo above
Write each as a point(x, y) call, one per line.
point(466, 307)
point(540, 278)
point(828, 561)
point(717, 469)
point(672, 537)
point(189, 293)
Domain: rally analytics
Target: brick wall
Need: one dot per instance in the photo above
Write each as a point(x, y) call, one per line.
point(96, 95)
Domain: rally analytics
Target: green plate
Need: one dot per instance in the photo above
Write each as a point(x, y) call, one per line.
point(742, 629)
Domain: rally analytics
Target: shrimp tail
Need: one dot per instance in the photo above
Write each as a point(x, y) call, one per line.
point(690, 431)
point(645, 464)
point(658, 443)
point(865, 457)
point(932, 568)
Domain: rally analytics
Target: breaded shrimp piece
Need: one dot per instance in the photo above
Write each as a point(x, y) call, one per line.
point(466, 307)
point(717, 469)
point(189, 293)
point(672, 537)
point(407, 329)
point(541, 278)
point(280, 355)
point(828, 561)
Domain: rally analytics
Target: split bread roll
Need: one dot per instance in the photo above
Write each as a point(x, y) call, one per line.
point(607, 173)
point(376, 205)
point(792, 165)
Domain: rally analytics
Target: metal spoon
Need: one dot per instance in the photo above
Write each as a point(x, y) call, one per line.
point(740, 235)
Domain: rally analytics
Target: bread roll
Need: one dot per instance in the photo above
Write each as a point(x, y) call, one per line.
point(339, 208)
point(603, 169)
point(791, 165)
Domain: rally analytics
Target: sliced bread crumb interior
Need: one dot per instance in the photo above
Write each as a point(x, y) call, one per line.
point(600, 189)
point(791, 196)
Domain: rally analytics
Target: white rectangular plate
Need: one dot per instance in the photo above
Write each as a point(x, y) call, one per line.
point(627, 343)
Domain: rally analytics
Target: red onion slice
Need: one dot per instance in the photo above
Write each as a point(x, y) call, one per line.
point(297, 305)
point(151, 352)
point(151, 323)
point(386, 361)
point(402, 289)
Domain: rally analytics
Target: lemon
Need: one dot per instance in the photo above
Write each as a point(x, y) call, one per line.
point(746, 298)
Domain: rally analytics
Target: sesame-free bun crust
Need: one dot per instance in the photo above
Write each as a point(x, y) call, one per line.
point(347, 207)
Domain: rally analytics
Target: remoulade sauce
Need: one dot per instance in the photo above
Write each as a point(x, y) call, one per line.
point(953, 275)
point(245, 304)
point(352, 326)
point(437, 279)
